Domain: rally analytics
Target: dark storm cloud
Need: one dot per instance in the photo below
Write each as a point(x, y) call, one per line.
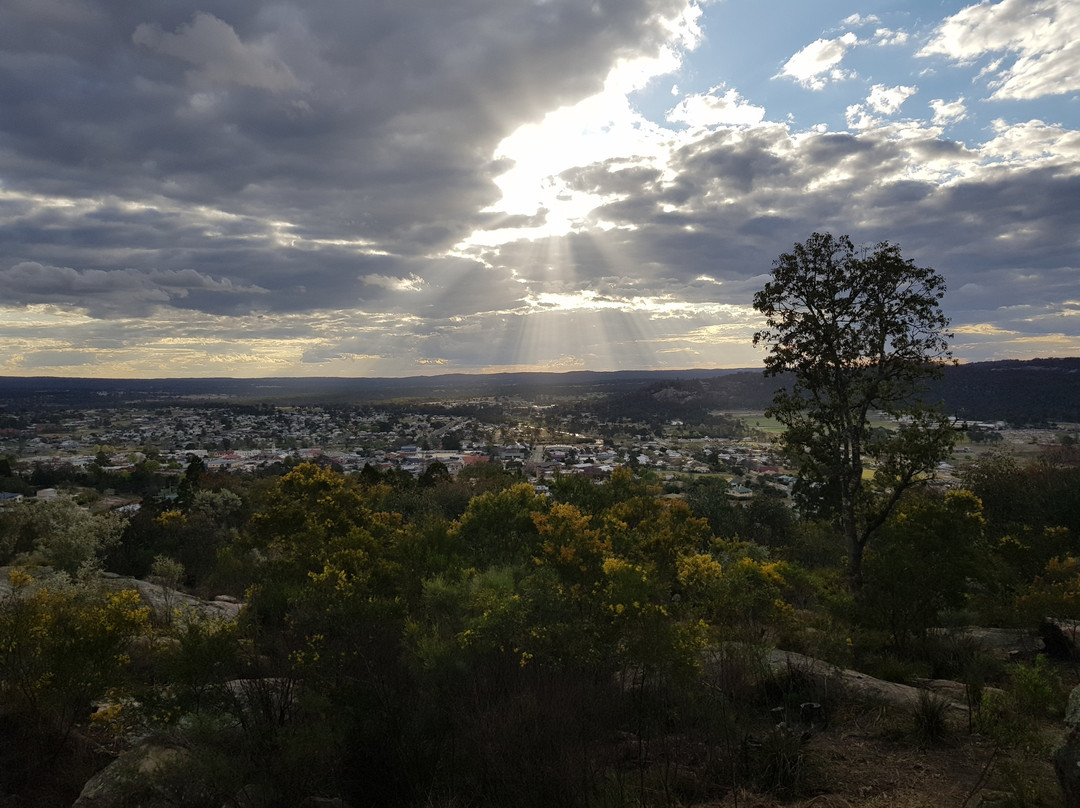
point(369, 121)
point(120, 292)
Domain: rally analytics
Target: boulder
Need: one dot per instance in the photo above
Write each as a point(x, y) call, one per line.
point(139, 776)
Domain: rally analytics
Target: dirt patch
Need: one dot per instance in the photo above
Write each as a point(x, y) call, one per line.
point(868, 758)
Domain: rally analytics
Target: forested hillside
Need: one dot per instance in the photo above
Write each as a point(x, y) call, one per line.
point(1038, 391)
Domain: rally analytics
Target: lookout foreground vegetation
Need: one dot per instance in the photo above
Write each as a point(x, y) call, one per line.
point(470, 642)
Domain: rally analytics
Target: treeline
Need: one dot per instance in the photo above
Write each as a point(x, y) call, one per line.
point(447, 641)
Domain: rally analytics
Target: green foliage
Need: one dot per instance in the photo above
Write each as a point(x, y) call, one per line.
point(62, 535)
point(919, 565)
point(166, 572)
point(317, 527)
point(222, 507)
point(1030, 496)
point(407, 658)
point(856, 334)
point(1037, 688)
point(707, 498)
point(497, 528)
point(62, 645)
point(203, 654)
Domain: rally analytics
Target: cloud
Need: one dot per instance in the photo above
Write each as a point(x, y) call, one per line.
point(816, 64)
point(218, 55)
point(888, 100)
point(714, 109)
point(108, 293)
point(1043, 35)
point(371, 188)
point(882, 101)
point(948, 111)
point(53, 359)
point(409, 284)
point(887, 37)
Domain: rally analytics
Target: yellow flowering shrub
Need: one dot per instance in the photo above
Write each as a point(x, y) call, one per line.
point(61, 646)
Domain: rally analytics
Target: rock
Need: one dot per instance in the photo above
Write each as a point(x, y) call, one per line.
point(1056, 643)
point(890, 692)
point(1003, 643)
point(164, 601)
point(1067, 757)
point(138, 776)
point(955, 691)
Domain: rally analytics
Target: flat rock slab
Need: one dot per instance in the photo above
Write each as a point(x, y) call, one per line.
point(892, 693)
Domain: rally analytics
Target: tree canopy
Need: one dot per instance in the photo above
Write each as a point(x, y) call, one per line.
point(855, 333)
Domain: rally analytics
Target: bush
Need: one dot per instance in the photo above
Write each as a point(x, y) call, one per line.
point(780, 765)
point(1037, 688)
point(930, 722)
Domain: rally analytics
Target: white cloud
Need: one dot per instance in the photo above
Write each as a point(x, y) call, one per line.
point(886, 36)
point(1044, 35)
point(219, 55)
point(815, 64)
point(888, 100)
point(714, 109)
point(859, 19)
point(601, 127)
point(948, 111)
point(881, 101)
point(1035, 141)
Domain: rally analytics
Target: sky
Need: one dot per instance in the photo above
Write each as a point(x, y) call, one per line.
point(414, 187)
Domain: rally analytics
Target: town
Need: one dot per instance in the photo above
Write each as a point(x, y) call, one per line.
point(540, 442)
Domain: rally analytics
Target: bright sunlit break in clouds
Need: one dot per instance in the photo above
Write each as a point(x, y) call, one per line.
point(365, 187)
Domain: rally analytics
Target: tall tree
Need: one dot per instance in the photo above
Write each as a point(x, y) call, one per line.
point(856, 334)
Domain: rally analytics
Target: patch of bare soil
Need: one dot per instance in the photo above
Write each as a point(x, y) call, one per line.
point(869, 758)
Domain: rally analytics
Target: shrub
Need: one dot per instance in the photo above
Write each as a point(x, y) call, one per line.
point(1037, 688)
point(930, 722)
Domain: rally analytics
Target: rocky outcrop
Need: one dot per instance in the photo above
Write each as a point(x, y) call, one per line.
point(164, 601)
point(145, 775)
point(892, 693)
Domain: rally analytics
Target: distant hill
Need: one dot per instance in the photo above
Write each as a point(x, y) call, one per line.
point(55, 392)
point(1021, 392)
point(1032, 392)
